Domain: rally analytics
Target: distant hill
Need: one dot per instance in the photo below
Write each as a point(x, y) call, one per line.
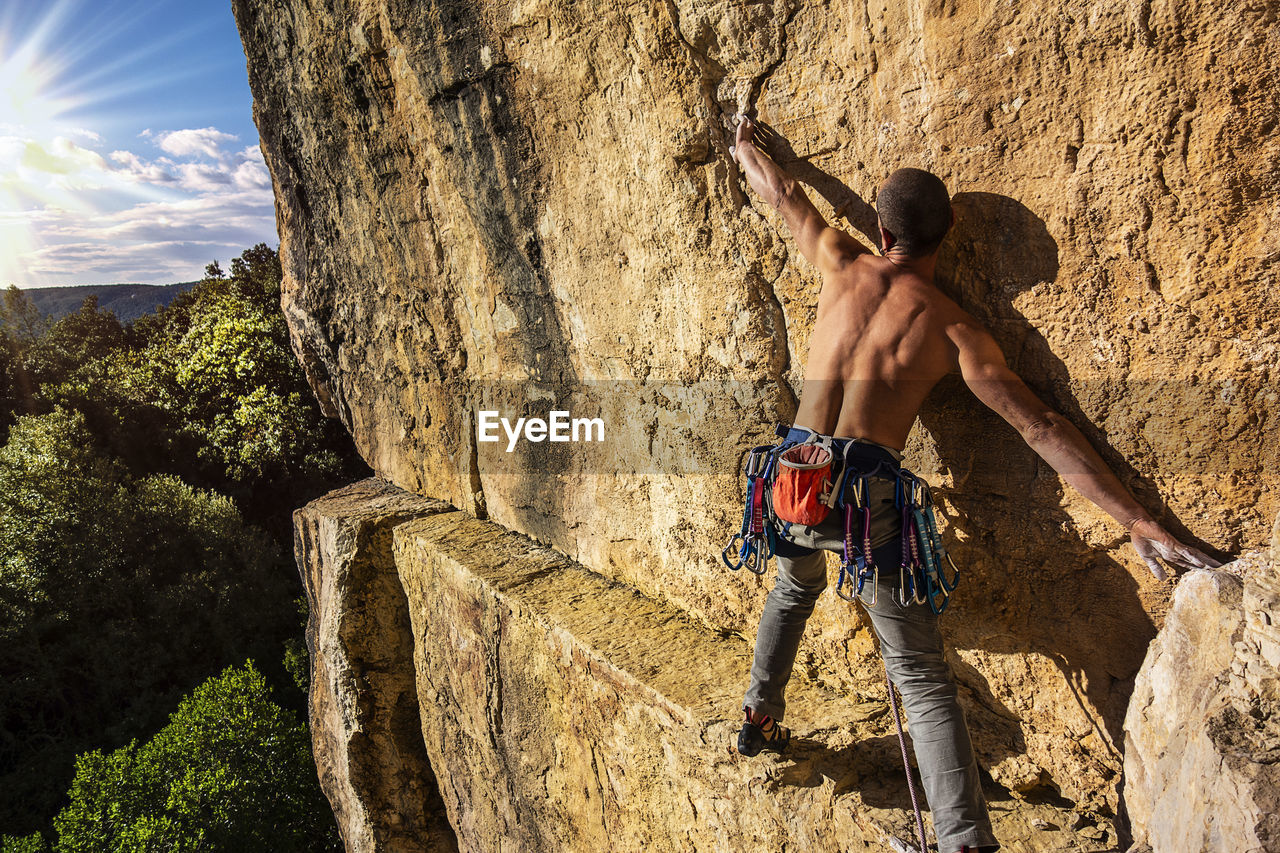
point(127, 301)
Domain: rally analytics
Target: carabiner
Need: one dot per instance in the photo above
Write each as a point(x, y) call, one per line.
point(875, 584)
point(735, 544)
point(906, 585)
point(955, 577)
point(844, 575)
point(935, 607)
point(918, 585)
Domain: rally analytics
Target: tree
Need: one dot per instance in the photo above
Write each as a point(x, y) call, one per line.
point(127, 571)
point(231, 771)
point(22, 325)
point(208, 389)
point(21, 318)
point(117, 594)
point(73, 340)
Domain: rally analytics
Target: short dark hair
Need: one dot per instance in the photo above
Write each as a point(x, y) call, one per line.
point(915, 208)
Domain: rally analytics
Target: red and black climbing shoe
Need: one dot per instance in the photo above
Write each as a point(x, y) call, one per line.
point(760, 732)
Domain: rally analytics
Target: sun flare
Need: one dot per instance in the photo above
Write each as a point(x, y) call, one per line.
point(111, 166)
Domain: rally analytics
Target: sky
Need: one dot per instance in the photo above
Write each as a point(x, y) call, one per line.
point(127, 146)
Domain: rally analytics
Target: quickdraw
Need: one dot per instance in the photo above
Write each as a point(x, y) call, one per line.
point(857, 564)
point(755, 543)
point(922, 579)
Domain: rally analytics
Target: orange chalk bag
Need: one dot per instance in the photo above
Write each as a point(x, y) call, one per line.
point(802, 484)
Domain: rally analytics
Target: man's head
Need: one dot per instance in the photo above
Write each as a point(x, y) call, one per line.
point(915, 210)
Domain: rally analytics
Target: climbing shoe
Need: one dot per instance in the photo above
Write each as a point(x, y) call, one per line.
point(760, 733)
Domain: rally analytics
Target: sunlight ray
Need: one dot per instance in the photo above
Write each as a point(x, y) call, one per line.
point(92, 93)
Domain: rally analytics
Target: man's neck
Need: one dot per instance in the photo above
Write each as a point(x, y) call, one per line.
point(922, 266)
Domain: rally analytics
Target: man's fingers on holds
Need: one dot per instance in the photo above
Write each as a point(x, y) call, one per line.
point(1156, 569)
point(1201, 559)
point(1188, 560)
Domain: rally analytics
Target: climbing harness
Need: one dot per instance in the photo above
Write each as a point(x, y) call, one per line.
point(792, 483)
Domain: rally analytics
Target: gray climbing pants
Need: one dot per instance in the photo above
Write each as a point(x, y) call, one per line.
point(911, 645)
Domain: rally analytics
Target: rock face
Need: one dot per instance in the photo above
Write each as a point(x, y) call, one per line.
point(1202, 746)
point(562, 711)
point(526, 205)
point(366, 729)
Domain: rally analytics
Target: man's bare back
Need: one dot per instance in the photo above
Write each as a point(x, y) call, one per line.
point(878, 347)
point(885, 335)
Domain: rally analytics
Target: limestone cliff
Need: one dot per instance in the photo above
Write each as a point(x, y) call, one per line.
point(526, 204)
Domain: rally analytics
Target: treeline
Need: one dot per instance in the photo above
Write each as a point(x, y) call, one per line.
point(150, 624)
point(127, 301)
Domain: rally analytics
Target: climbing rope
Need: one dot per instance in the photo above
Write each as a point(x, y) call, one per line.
point(906, 763)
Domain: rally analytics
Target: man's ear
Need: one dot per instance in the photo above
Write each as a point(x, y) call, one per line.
point(887, 240)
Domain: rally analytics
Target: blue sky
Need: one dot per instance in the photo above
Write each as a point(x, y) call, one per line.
point(127, 145)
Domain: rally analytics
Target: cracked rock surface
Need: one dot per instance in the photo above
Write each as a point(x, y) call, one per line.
point(526, 205)
point(365, 723)
point(1202, 750)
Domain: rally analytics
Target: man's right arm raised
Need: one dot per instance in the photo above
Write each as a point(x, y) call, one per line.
point(823, 246)
point(1063, 446)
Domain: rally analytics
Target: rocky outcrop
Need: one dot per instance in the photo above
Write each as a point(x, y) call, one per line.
point(365, 725)
point(562, 711)
point(523, 205)
point(1202, 746)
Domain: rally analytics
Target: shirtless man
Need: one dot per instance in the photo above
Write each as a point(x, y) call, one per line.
point(884, 336)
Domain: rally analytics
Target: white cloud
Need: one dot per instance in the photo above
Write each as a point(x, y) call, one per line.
point(186, 143)
point(60, 157)
point(203, 177)
point(252, 175)
point(133, 168)
point(158, 242)
point(83, 217)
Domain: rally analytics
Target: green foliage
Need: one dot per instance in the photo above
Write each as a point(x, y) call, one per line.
point(72, 341)
point(209, 389)
point(231, 771)
point(128, 573)
point(21, 318)
point(297, 661)
point(33, 843)
point(116, 594)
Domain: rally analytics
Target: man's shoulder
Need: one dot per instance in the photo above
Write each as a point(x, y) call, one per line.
point(946, 308)
point(839, 251)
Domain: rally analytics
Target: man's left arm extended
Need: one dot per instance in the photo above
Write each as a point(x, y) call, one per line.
point(823, 246)
point(1063, 446)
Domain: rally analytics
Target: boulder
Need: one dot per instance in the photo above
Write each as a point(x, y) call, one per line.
point(1202, 736)
point(365, 725)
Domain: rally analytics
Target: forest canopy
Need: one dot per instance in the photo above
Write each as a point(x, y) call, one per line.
point(147, 476)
